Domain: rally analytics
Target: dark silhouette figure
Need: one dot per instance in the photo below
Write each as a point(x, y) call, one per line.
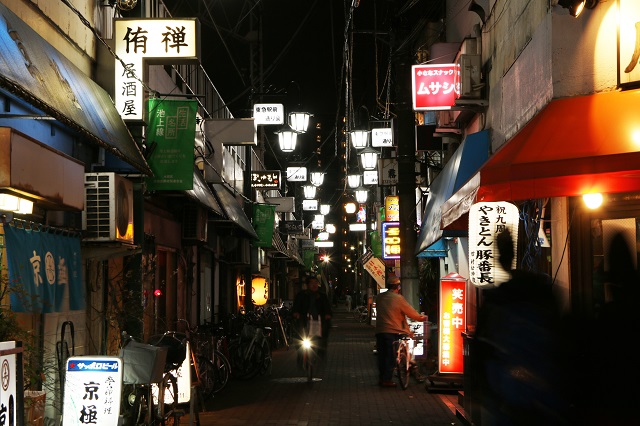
point(520, 376)
point(315, 303)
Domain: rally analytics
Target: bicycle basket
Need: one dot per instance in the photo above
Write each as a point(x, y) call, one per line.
point(248, 331)
point(142, 363)
point(175, 344)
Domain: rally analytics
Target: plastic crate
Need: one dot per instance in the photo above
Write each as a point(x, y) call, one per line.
point(142, 363)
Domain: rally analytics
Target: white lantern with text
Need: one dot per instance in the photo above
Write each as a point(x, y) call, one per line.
point(486, 221)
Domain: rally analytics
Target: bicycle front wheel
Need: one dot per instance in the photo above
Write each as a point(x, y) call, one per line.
point(206, 376)
point(222, 370)
point(402, 366)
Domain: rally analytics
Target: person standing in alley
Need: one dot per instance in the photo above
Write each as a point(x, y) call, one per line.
point(311, 301)
point(391, 322)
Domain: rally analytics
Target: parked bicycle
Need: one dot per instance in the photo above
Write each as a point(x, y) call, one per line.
point(212, 343)
point(403, 359)
point(144, 366)
point(249, 352)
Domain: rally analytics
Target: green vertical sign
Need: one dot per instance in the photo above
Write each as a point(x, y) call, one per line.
point(263, 222)
point(307, 258)
point(172, 131)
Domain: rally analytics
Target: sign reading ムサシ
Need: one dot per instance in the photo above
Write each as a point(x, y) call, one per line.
point(158, 41)
point(434, 86)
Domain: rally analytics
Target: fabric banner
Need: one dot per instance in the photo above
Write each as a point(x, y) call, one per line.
point(307, 258)
point(44, 271)
point(172, 130)
point(264, 216)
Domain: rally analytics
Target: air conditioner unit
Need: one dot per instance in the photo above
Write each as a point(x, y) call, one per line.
point(108, 207)
point(470, 76)
point(194, 223)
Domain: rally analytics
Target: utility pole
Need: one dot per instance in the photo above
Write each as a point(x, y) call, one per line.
point(404, 134)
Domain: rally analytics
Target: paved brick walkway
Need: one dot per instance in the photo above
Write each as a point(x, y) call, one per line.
point(345, 392)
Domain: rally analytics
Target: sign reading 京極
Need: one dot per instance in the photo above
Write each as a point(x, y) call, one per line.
point(172, 128)
point(486, 221)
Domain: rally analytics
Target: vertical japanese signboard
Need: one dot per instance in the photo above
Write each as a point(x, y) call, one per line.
point(10, 354)
point(390, 240)
point(172, 127)
point(486, 221)
point(93, 386)
point(452, 323)
point(159, 41)
point(434, 86)
point(263, 222)
point(375, 267)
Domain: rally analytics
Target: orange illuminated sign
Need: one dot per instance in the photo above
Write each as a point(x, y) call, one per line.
point(452, 323)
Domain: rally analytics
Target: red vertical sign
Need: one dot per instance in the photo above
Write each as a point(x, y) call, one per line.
point(452, 323)
point(435, 87)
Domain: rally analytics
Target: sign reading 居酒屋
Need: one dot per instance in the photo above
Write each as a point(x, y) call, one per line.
point(434, 87)
point(486, 221)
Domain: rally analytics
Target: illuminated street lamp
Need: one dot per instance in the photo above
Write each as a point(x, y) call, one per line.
point(309, 192)
point(317, 178)
point(359, 138)
point(354, 180)
point(299, 121)
point(369, 158)
point(287, 138)
point(325, 208)
point(361, 195)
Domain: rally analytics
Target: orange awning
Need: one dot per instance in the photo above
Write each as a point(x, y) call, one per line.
point(573, 146)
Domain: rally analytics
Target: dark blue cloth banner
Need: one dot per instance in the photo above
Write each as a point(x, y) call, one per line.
point(44, 271)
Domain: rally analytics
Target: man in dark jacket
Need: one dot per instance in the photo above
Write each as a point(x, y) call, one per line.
point(315, 303)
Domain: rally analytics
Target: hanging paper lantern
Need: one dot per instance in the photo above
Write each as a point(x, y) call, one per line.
point(259, 291)
point(486, 221)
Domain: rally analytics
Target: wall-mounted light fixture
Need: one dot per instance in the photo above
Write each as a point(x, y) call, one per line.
point(11, 203)
point(577, 6)
point(592, 201)
point(287, 138)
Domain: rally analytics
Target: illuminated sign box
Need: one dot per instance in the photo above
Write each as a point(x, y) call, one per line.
point(297, 174)
point(265, 179)
point(268, 113)
point(434, 86)
point(155, 41)
point(390, 240)
point(382, 137)
point(309, 205)
point(359, 227)
point(324, 244)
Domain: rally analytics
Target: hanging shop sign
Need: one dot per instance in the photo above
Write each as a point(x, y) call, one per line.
point(268, 114)
point(434, 86)
point(392, 208)
point(382, 137)
point(452, 323)
point(375, 267)
point(388, 171)
point(370, 177)
point(45, 269)
point(292, 227)
point(157, 41)
point(390, 240)
point(310, 205)
point(296, 174)
point(263, 221)
point(266, 179)
point(172, 128)
point(486, 221)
